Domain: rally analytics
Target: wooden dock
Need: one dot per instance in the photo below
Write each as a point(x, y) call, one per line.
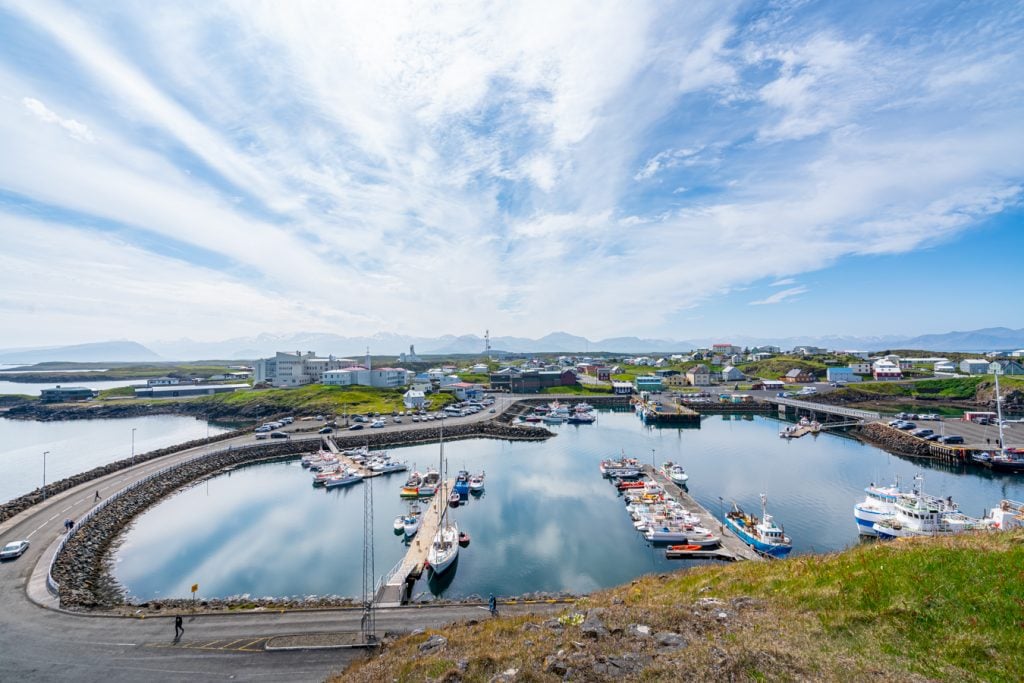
point(664, 412)
point(800, 431)
point(731, 549)
point(364, 472)
point(393, 590)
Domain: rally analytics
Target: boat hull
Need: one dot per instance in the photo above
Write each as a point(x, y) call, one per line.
point(760, 546)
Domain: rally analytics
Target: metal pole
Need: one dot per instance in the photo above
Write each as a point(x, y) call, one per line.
point(133, 445)
point(44, 474)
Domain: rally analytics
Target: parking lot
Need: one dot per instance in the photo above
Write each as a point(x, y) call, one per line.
point(974, 435)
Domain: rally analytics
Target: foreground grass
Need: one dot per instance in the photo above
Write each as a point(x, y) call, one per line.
point(937, 609)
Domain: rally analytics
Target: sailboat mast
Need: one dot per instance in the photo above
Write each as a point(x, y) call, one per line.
point(999, 416)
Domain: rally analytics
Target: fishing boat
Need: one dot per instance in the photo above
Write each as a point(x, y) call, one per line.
point(627, 485)
point(399, 523)
point(444, 548)
point(553, 419)
point(675, 472)
point(879, 503)
point(683, 534)
point(343, 479)
point(463, 539)
point(624, 468)
point(1009, 514)
point(431, 481)
point(389, 467)
point(761, 534)
point(462, 483)
point(920, 515)
point(581, 418)
point(476, 483)
point(411, 489)
point(411, 521)
point(454, 499)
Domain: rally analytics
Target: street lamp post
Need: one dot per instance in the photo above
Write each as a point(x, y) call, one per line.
point(133, 446)
point(44, 473)
point(653, 466)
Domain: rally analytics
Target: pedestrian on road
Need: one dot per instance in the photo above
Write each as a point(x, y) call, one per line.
point(179, 630)
point(97, 496)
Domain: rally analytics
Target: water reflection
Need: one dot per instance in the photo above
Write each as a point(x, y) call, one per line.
point(547, 521)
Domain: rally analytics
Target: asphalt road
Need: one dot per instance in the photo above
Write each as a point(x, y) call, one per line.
point(40, 643)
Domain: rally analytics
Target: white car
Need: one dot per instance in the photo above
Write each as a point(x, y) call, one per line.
point(13, 550)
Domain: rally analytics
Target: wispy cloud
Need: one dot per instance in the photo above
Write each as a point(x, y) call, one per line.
point(779, 297)
point(360, 168)
point(75, 129)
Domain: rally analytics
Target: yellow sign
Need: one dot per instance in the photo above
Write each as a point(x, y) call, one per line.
point(195, 587)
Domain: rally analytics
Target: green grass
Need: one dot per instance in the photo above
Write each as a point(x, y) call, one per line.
point(581, 389)
point(777, 367)
point(318, 398)
point(117, 392)
point(948, 609)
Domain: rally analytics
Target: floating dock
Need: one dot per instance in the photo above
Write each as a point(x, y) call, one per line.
point(394, 588)
point(364, 472)
point(731, 549)
point(662, 412)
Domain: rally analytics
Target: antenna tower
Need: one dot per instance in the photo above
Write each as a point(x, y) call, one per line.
point(368, 622)
point(487, 343)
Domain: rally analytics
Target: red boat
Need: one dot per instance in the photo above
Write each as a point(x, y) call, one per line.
point(684, 548)
point(626, 485)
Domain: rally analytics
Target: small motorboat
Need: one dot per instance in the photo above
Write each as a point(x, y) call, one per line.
point(462, 483)
point(411, 489)
point(476, 483)
point(626, 485)
point(463, 539)
point(454, 499)
point(688, 548)
point(399, 524)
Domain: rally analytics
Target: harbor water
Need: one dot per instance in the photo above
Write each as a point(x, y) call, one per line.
point(79, 445)
point(36, 388)
point(547, 522)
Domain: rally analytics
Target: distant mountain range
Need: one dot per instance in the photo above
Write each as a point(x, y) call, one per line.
point(247, 348)
point(99, 352)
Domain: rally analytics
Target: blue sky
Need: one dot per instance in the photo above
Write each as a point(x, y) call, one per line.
point(679, 170)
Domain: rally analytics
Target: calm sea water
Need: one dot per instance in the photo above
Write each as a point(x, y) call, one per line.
point(35, 388)
point(547, 522)
point(78, 445)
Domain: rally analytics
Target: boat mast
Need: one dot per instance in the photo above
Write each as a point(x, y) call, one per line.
point(440, 473)
point(999, 416)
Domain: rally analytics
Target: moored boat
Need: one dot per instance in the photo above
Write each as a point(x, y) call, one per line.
point(763, 534)
point(431, 481)
point(675, 472)
point(345, 479)
point(624, 468)
point(476, 483)
point(411, 489)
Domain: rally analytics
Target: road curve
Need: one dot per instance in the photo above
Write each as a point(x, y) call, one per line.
point(41, 643)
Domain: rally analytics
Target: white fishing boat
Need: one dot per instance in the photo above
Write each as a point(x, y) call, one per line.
point(675, 472)
point(623, 468)
point(343, 479)
point(763, 534)
point(411, 521)
point(476, 483)
point(389, 466)
point(431, 481)
point(919, 515)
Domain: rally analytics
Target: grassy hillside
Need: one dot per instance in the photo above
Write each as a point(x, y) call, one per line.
point(954, 388)
point(776, 368)
point(936, 609)
point(317, 398)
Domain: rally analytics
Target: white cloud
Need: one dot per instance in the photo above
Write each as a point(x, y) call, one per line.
point(779, 297)
point(783, 282)
point(75, 129)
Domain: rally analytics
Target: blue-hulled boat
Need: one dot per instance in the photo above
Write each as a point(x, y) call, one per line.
point(462, 483)
point(763, 535)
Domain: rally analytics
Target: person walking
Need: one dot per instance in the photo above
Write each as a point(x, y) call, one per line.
point(492, 605)
point(97, 496)
point(179, 630)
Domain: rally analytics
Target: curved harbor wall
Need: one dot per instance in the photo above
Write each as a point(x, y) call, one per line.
point(25, 501)
point(893, 440)
point(80, 572)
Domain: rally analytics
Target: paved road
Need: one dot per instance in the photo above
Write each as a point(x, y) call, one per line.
point(43, 644)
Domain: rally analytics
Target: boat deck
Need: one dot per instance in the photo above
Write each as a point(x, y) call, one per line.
point(391, 593)
point(731, 549)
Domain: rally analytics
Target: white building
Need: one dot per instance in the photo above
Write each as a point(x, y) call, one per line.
point(731, 374)
point(387, 378)
point(885, 369)
point(161, 381)
point(414, 399)
point(297, 369)
point(860, 368)
point(356, 375)
point(944, 366)
point(974, 366)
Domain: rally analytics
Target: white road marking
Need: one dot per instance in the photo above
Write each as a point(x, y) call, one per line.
point(88, 642)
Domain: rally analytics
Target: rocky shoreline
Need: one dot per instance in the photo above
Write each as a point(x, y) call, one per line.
point(893, 440)
point(82, 569)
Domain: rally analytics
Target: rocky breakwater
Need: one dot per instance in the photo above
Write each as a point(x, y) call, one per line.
point(893, 440)
point(81, 569)
point(491, 429)
point(23, 502)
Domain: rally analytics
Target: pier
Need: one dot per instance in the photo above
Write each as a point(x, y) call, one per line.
point(731, 549)
point(663, 412)
point(393, 589)
point(364, 472)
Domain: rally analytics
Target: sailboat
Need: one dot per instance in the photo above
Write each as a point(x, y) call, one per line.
point(444, 549)
point(1007, 459)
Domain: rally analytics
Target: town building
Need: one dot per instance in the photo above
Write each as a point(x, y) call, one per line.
point(60, 394)
point(726, 349)
point(531, 381)
point(297, 369)
point(698, 376)
point(161, 381)
point(799, 376)
point(810, 351)
point(465, 391)
point(414, 399)
point(1006, 367)
point(184, 390)
point(649, 383)
point(732, 374)
point(768, 385)
point(603, 374)
point(884, 369)
point(944, 366)
point(842, 374)
point(974, 366)
point(622, 388)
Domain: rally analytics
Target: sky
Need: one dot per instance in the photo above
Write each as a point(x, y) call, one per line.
point(210, 170)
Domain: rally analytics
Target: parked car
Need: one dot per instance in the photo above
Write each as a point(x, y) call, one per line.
point(922, 432)
point(933, 437)
point(356, 426)
point(398, 420)
point(14, 550)
point(906, 425)
point(280, 435)
point(326, 430)
point(262, 435)
point(952, 439)
point(377, 424)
